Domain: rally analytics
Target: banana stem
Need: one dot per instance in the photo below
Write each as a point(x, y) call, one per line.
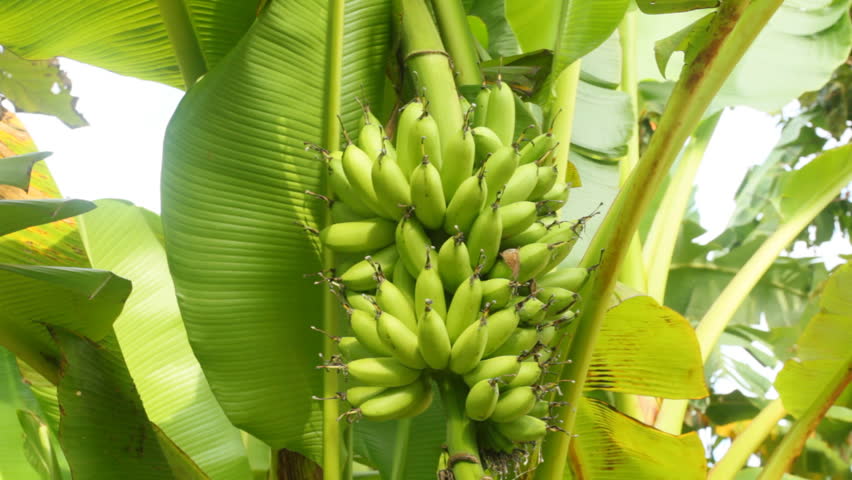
point(182, 36)
point(461, 435)
point(424, 54)
point(729, 37)
point(459, 40)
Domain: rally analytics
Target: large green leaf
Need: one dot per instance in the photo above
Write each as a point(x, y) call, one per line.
point(648, 349)
point(234, 179)
point(797, 52)
point(501, 39)
point(822, 352)
point(153, 340)
point(16, 170)
point(604, 122)
point(20, 214)
point(611, 445)
point(126, 36)
point(38, 86)
point(13, 463)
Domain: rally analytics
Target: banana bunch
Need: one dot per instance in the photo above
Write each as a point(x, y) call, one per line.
point(445, 250)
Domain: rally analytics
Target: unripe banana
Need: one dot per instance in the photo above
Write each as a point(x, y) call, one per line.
point(371, 139)
point(352, 349)
point(361, 302)
point(341, 212)
point(391, 186)
point(497, 292)
point(412, 242)
point(558, 195)
point(522, 264)
point(359, 394)
point(524, 429)
point(409, 150)
point(514, 404)
point(482, 101)
point(517, 217)
point(481, 400)
point(537, 149)
point(423, 403)
point(393, 403)
point(500, 168)
point(501, 324)
point(454, 262)
point(487, 143)
point(530, 235)
point(364, 326)
point(464, 307)
point(527, 375)
point(521, 184)
point(466, 205)
point(392, 300)
point(427, 195)
point(362, 275)
point(541, 409)
point(469, 347)
point(358, 167)
point(483, 243)
point(458, 156)
point(434, 341)
point(381, 372)
point(532, 311)
point(563, 237)
point(361, 236)
point(521, 340)
point(545, 181)
point(342, 189)
point(403, 280)
point(567, 278)
point(559, 298)
point(498, 367)
point(429, 286)
point(400, 340)
point(547, 335)
point(500, 116)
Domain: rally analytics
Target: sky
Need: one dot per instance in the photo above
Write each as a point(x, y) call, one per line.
point(118, 155)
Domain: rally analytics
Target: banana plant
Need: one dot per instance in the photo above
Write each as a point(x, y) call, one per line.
point(214, 353)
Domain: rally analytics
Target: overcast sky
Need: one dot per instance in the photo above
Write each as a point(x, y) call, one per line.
point(119, 154)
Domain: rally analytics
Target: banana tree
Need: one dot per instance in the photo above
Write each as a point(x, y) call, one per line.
point(216, 337)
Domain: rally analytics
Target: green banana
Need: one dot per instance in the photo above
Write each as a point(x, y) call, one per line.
point(521, 184)
point(501, 324)
point(521, 340)
point(527, 375)
point(342, 189)
point(465, 205)
point(393, 403)
point(361, 236)
point(469, 347)
point(412, 242)
point(497, 292)
point(545, 180)
point(434, 340)
point(429, 286)
point(500, 116)
point(352, 349)
point(358, 167)
point(567, 278)
point(541, 409)
point(423, 403)
point(481, 102)
point(486, 142)
point(394, 301)
point(483, 243)
point(514, 404)
point(371, 139)
point(400, 340)
point(496, 367)
point(427, 195)
point(391, 186)
point(403, 280)
point(517, 217)
point(499, 170)
point(362, 302)
point(522, 264)
point(559, 298)
point(342, 212)
point(531, 310)
point(409, 150)
point(381, 372)
point(524, 429)
point(537, 148)
point(481, 400)
point(558, 194)
point(362, 275)
point(364, 326)
point(531, 235)
point(458, 156)
point(361, 393)
point(464, 306)
point(454, 262)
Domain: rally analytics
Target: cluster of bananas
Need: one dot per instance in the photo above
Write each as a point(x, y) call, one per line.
point(444, 250)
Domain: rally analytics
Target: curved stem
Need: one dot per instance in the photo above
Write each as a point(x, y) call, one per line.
point(728, 39)
point(459, 40)
point(178, 25)
point(461, 435)
point(748, 442)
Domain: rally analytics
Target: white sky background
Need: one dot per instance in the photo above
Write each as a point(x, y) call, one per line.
point(119, 154)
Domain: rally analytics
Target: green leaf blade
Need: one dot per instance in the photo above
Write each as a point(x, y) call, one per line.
point(20, 214)
point(17, 169)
